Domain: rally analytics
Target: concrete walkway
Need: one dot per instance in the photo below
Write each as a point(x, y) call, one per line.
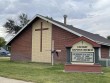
point(7, 80)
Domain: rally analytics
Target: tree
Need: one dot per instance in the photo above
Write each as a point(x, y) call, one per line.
point(108, 37)
point(23, 18)
point(9, 25)
point(12, 27)
point(2, 42)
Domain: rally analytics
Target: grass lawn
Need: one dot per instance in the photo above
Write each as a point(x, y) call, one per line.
point(45, 73)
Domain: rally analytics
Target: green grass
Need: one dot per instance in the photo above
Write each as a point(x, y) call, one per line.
point(45, 73)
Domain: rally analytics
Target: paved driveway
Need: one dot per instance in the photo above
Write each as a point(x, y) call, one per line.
point(7, 80)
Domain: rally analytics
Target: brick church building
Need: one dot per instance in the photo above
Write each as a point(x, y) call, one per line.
point(36, 41)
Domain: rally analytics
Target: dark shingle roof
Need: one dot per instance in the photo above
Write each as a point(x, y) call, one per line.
point(87, 34)
point(97, 38)
point(92, 36)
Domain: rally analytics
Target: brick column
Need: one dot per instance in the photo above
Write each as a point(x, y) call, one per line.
point(68, 60)
point(97, 55)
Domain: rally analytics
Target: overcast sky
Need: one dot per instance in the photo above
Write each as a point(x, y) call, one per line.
point(89, 15)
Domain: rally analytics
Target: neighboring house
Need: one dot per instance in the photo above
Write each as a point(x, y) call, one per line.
point(36, 41)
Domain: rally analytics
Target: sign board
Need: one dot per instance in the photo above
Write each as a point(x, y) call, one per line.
point(82, 52)
point(83, 57)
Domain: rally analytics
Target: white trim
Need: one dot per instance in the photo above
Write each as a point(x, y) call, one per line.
point(99, 50)
point(57, 25)
point(97, 41)
point(82, 63)
point(102, 43)
point(21, 30)
point(73, 31)
point(94, 56)
point(46, 20)
point(60, 26)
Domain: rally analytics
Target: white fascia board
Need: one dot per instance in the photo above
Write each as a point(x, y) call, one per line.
point(103, 43)
point(60, 26)
point(46, 20)
point(98, 41)
point(21, 29)
point(55, 24)
point(73, 31)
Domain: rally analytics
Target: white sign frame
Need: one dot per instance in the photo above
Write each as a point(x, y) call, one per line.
point(84, 49)
point(93, 57)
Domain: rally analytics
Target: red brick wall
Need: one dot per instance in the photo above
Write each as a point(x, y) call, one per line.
point(60, 37)
point(96, 68)
point(104, 51)
point(21, 46)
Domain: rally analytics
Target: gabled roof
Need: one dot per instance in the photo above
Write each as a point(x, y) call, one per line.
point(74, 41)
point(96, 38)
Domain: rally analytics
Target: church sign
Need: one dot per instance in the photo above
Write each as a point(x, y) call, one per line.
point(82, 52)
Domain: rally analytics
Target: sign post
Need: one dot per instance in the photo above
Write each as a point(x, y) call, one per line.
point(52, 52)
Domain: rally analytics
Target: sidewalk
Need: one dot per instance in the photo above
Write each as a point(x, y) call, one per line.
point(7, 80)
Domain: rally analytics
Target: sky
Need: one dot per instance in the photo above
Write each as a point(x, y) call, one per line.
point(89, 15)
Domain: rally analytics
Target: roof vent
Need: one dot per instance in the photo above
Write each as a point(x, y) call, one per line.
point(65, 16)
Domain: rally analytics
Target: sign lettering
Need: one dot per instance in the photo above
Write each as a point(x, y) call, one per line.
point(82, 57)
point(82, 52)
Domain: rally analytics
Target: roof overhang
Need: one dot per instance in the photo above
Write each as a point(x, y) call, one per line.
point(71, 43)
point(45, 20)
point(63, 27)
